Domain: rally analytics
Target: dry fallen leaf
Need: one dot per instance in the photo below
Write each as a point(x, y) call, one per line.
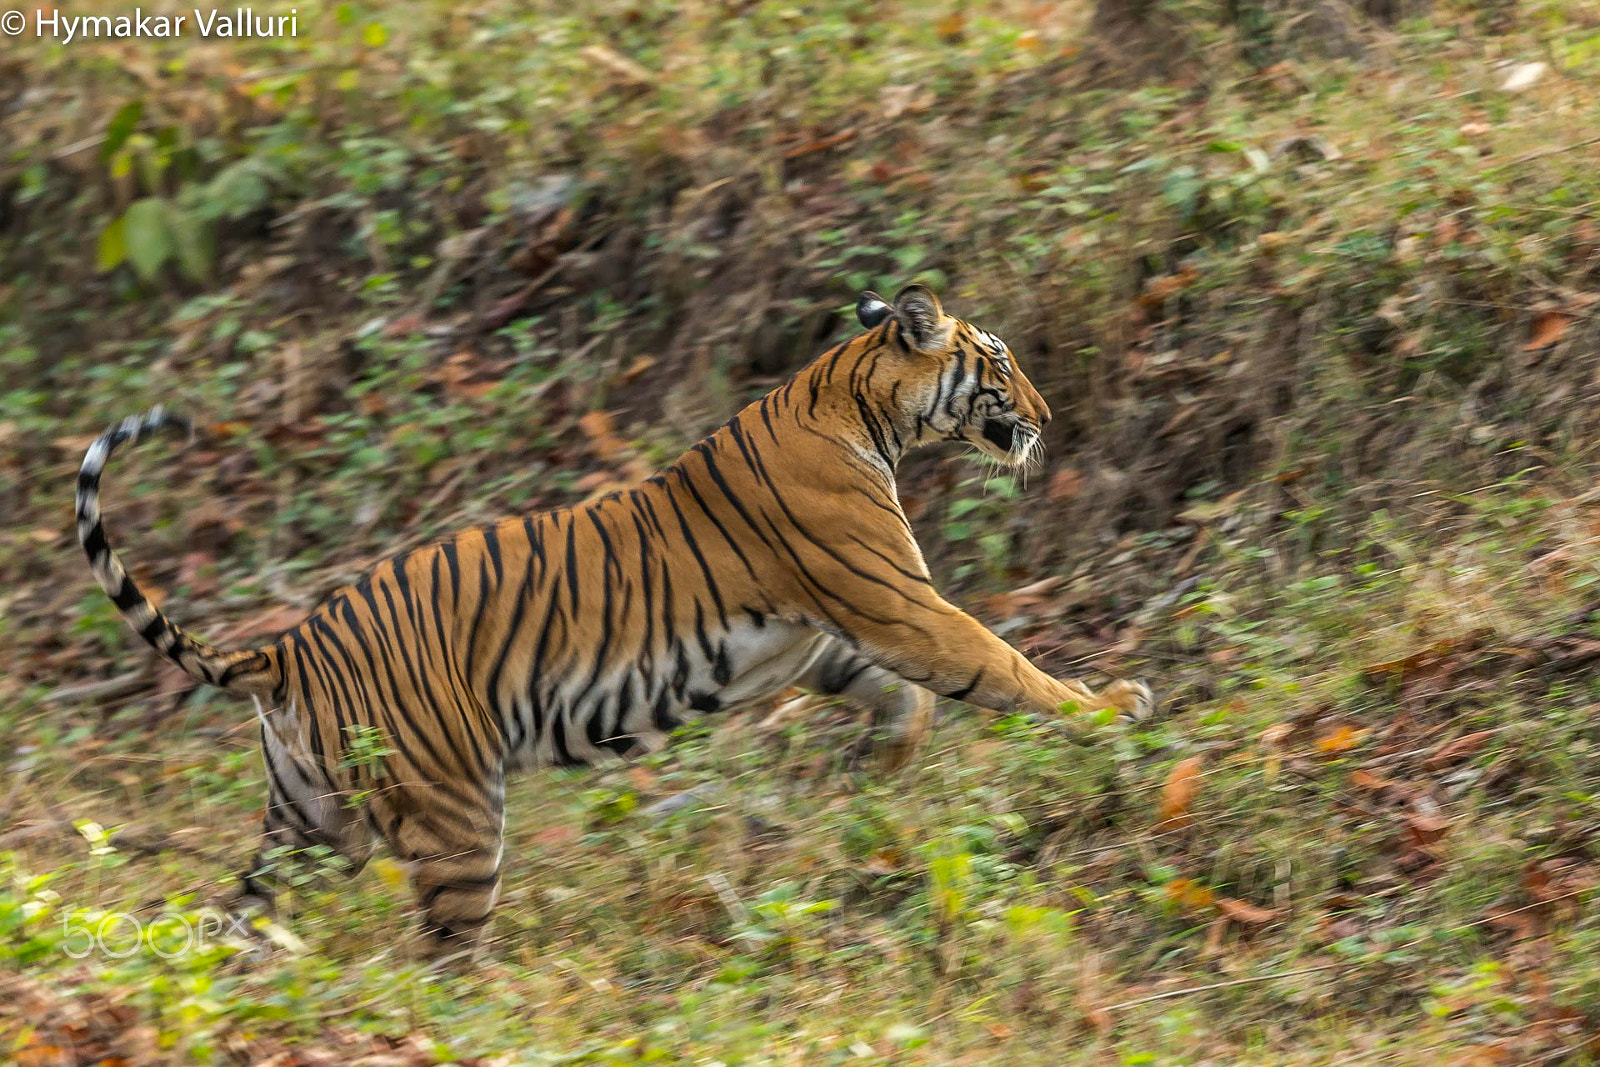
point(405, 325)
point(1429, 657)
point(1369, 781)
point(1460, 748)
point(1211, 510)
point(597, 426)
point(1426, 829)
point(1585, 237)
point(952, 28)
point(1183, 783)
point(465, 377)
point(1341, 740)
point(1548, 329)
point(1277, 735)
point(1065, 484)
point(885, 861)
point(504, 310)
point(1488, 1054)
point(1189, 895)
point(1561, 881)
point(619, 66)
point(1245, 913)
point(557, 835)
point(76, 443)
point(1098, 1018)
point(1158, 290)
point(639, 365)
point(897, 100)
point(821, 144)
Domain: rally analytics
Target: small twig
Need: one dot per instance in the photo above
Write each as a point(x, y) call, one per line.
point(111, 688)
point(678, 801)
point(821, 144)
point(78, 146)
point(1177, 592)
point(1187, 990)
point(730, 899)
point(1552, 150)
point(1588, 613)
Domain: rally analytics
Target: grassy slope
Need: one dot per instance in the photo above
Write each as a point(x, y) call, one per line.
point(1387, 737)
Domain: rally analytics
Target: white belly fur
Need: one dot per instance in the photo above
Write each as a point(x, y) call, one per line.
point(762, 660)
point(767, 659)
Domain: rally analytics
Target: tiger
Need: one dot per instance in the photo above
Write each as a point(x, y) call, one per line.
point(772, 554)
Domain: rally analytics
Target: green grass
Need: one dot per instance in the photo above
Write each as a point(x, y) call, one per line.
point(1015, 897)
point(1310, 479)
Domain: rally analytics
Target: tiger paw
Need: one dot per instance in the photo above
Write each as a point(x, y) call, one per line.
point(891, 755)
point(1133, 699)
point(882, 754)
point(905, 736)
point(443, 951)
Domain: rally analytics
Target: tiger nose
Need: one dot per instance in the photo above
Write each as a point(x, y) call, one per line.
point(1044, 414)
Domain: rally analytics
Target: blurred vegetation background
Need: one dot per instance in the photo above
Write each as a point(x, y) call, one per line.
point(1311, 286)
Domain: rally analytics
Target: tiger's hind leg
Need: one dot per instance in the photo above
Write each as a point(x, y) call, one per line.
point(308, 830)
point(451, 837)
point(293, 849)
point(902, 712)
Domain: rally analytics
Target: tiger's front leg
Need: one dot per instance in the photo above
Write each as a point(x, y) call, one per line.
point(955, 655)
point(921, 637)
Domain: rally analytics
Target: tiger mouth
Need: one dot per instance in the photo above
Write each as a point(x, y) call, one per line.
point(1003, 435)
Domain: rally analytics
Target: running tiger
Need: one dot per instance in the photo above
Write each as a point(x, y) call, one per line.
point(773, 553)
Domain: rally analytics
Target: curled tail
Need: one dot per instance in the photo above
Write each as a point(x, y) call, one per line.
point(255, 672)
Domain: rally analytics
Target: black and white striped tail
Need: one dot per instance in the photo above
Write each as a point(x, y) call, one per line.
point(244, 672)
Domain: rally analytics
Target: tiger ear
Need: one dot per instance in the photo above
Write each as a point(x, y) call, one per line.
point(871, 309)
point(921, 317)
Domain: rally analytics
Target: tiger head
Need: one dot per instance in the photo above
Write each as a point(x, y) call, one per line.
point(963, 382)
